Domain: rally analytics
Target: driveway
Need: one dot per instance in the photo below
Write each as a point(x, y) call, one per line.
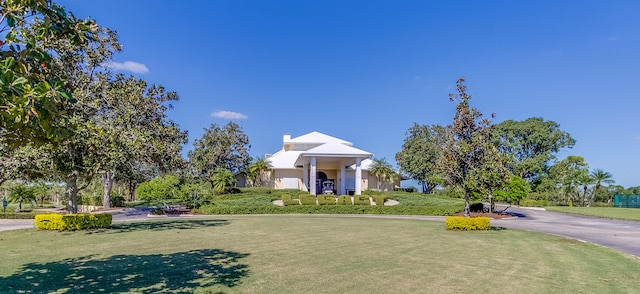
point(617, 234)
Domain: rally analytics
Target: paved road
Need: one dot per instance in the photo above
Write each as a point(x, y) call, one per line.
point(616, 234)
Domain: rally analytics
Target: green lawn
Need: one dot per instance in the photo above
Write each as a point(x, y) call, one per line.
point(604, 212)
point(307, 254)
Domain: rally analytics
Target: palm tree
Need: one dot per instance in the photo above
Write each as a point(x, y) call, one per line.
point(382, 170)
point(584, 179)
point(222, 178)
point(257, 169)
point(600, 176)
point(21, 193)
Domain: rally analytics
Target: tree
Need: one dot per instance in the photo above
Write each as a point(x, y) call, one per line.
point(222, 179)
point(420, 153)
point(531, 144)
point(226, 147)
point(569, 174)
point(135, 131)
point(32, 97)
point(21, 193)
point(257, 168)
point(382, 170)
point(514, 190)
point(468, 147)
point(601, 176)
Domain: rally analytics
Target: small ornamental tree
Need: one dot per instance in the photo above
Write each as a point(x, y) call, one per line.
point(222, 179)
point(468, 146)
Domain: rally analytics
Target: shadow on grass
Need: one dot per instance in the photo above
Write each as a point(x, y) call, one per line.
point(498, 228)
point(181, 272)
point(162, 225)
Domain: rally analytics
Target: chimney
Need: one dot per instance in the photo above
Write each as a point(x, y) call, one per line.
point(286, 138)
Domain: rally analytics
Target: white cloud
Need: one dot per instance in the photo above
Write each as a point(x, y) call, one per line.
point(228, 115)
point(131, 66)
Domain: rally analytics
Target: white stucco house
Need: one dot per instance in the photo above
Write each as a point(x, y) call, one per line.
point(320, 163)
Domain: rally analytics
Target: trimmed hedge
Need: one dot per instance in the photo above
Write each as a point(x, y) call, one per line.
point(361, 200)
point(332, 209)
point(344, 200)
point(307, 199)
point(468, 223)
point(476, 207)
point(286, 200)
point(73, 222)
point(379, 199)
point(326, 200)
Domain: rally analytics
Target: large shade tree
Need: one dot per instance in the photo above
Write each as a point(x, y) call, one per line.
point(420, 153)
point(531, 144)
point(32, 97)
point(224, 147)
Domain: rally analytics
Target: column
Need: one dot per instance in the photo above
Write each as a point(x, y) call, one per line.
point(358, 177)
point(343, 179)
point(312, 174)
point(305, 177)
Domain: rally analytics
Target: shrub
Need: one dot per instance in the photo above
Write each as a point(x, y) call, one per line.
point(307, 199)
point(286, 200)
point(344, 200)
point(476, 207)
point(379, 199)
point(116, 201)
point(361, 200)
point(73, 222)
point(17, 215)
point(467, 223)
point(326, 200)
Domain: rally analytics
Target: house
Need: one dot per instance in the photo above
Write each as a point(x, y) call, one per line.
point(321, 164)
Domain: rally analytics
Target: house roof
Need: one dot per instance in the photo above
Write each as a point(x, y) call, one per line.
point(325, 148)
point(317, 137)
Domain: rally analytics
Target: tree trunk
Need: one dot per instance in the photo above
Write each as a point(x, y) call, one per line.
point(467, 207)
point(132, 190)
point(107, 179)
point(71, 194)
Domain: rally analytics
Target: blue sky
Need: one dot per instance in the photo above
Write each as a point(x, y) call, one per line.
point(365, 71)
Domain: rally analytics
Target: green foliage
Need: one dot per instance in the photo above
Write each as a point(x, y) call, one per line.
point(476, 207)
point(379, 199)
point(222, 179)
point(468, 223)
point(90, 199)
point(420, 153)
point(73, 222)
point(383, 171)
point(117, 201)
point(226, 147)
point(17, 215)
point(287, 200)
point(307, 199)
point(468, 148)
point(326, 200)
point(332, 209)
point(257, 169)
point(21, 193)
point(344, 200)
point(361, 200)
point(515, 190)
point(160, 188)
point(531, 144)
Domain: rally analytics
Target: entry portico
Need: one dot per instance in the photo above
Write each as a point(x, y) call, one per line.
point(319, 163)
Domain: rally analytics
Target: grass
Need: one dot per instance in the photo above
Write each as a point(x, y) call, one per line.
point(307, 254)
point(604, 212)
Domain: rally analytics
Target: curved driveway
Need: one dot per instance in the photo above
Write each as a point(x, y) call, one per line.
point(617, 234)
